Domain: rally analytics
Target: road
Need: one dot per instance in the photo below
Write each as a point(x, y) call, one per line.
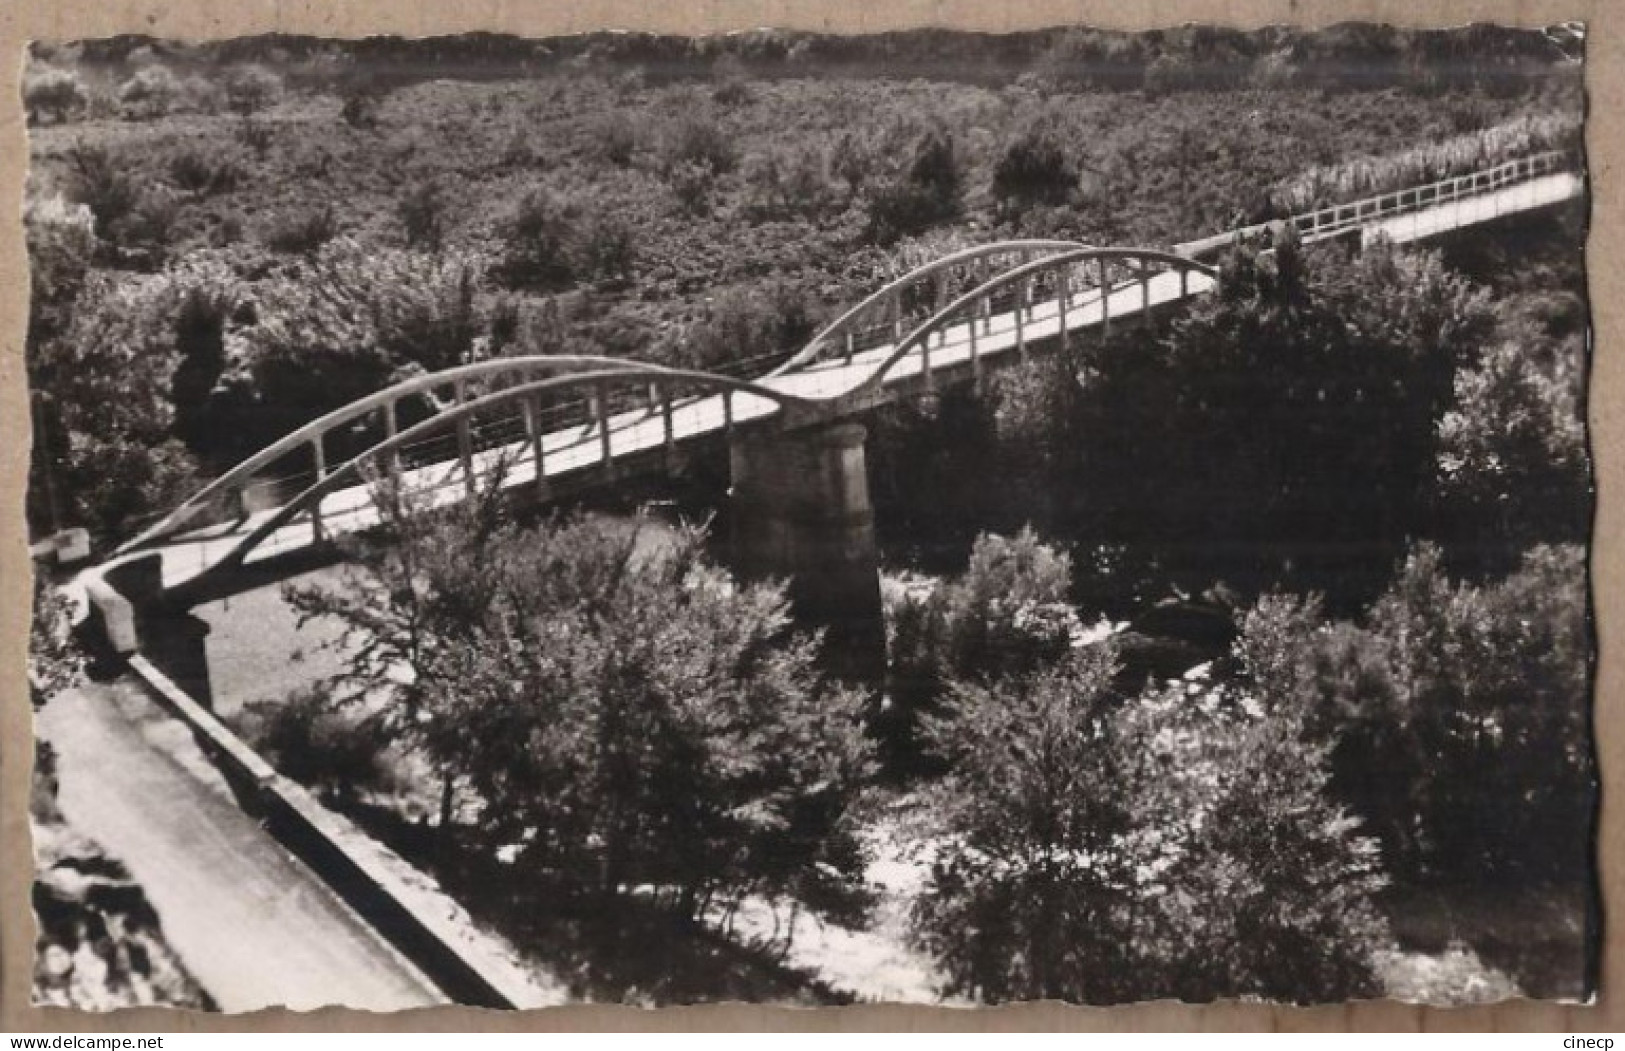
point(254, 925)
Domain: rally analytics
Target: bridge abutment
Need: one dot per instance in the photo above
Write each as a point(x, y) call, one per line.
point(132, 614)
point(800, 510)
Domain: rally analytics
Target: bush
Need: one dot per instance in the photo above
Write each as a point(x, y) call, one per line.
point(1513, 467)
point(618, 139)
point(926, 193)
point(150, 93)
point(422, 211)
point(1034, 170)
point(335, 754)
point(344, 323)
point(1007, 614)
point(303, 231)
point(539, 239)
point(61, 241)
point(1100, 851)
point(1459, 714)
point(698, 140)
point(104, 456)
point(628, 722)
point(204, 172)
point(742, 323)
point(251, 88)
point(692, 184)
point(53, 92)
point(101, 180)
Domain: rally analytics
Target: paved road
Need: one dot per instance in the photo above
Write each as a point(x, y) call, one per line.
point(255, 926)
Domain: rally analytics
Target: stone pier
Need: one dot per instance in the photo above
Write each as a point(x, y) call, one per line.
point(800, 511)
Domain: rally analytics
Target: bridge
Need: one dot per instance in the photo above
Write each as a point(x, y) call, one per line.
point(549, 427)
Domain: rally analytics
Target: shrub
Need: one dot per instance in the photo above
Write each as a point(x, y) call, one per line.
point(539, 240)
point(794, 183)
point(336, 754)
point(1007, 614)
point(926, 193)
point(255, 135)
point(1097, 851)
point(360, 105)
point(607, 248)
point(61, 245)
point(302, 231)
point(343, 323)
point(54, 92)
point(104, 443)
point(1471, 700)
point(1513, 468)
point(743, 323)
point(698, 140)
point(1034, 169)
point(150, 93)
point(251, 88)
point(148, 231)
point(204, 172)
point(101, 180)
point(422, 212)
point(617, 139)
point(692, 184)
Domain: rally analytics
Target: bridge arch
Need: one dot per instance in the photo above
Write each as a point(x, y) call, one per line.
point(666, 380)
point(846, 335)
point(1060, 268)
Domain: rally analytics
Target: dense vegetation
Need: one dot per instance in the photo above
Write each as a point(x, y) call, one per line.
point(1225, 635)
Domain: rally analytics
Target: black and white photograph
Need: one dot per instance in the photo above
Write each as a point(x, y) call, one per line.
point(800, 518)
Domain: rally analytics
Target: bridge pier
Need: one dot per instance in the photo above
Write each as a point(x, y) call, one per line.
point(800, 510)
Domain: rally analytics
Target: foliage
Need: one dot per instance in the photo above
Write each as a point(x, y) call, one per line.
point(1361, 177)
point(251, 88)
point(53, 92)
point(61, 241)
point(150, 93)
point(1458, 713)
point(1007, 614)
point(1513, 468)
point(696, 139)
point(1102, 850)
point(1034, 169)
point(621, 714)
point(205, 172)
point(335, 753)
point(1286, 428)
point(302, 231)
point(100, 179)
point(740, 324)
point(55, 662)
point(920, 195)
point(540, 239)
point(104, 415)
point(423, 214)
point(344, 323)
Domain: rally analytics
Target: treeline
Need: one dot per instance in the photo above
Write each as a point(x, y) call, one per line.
point(1192, 57)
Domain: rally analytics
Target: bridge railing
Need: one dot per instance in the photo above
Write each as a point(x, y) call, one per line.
point(464, 473)
point(1080, 283)
point(882, 317)
point(1343, 218)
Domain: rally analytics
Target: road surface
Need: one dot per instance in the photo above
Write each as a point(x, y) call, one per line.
point(253, 924)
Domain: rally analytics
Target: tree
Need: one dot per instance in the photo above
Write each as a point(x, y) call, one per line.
point(1457, 713)
point(56, 92)
point(619, 712)
point(1034, 169)
point(1007, 614)
point(1285, 430)
point(250, 88)
point(920, 195)
point(1099, 850)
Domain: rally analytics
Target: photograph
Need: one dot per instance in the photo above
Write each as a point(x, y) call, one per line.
point(799, 518)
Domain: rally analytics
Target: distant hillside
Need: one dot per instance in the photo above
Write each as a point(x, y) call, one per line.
point(1359, 55)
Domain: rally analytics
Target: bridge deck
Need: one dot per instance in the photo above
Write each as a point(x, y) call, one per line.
point(579, 449)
